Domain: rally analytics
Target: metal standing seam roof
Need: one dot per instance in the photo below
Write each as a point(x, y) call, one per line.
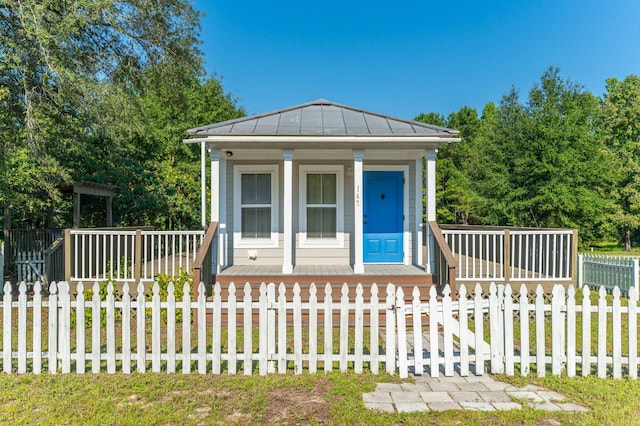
point(321, 117)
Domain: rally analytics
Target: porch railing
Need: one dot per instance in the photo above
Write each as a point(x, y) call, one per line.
point(444, 263)
point(507, 254)
point(203, 264)
point(54, 261)
point(128, 255)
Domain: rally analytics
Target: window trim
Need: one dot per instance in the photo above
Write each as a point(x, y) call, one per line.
point(238, 241)
point(304, 241)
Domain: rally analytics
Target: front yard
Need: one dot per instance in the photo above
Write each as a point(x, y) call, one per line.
point(306, 399)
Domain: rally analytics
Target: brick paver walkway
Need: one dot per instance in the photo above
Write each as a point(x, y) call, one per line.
point(481, 393)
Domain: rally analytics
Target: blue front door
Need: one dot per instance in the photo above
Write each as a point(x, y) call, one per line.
point(383, 217)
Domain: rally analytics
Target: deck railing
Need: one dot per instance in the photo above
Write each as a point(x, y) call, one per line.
point(54, 261)
point(203, 264)
point(444, 263)
point(128, 255)
point(513, 254)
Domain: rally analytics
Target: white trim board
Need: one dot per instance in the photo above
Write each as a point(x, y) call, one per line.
point(238, 241)
point(338, 241)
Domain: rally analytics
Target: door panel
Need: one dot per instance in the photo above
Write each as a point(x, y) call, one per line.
point(383, 221)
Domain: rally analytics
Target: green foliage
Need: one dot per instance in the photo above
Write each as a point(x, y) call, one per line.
point(538, 163)
point(163, 281)
point(178, 281)
point(620, 126)
point(88, 313)
point(103, 91)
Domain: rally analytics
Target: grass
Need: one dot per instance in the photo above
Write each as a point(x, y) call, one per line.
point(280, 399)
point(610, 248)
point(277, 399)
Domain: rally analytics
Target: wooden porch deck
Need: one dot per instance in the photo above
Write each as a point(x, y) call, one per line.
point(405, 276)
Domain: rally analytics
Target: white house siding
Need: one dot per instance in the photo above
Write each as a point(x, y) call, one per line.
point(315, 256)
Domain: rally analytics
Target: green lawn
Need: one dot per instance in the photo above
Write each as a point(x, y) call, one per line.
point(306, 399)
point(610, 248)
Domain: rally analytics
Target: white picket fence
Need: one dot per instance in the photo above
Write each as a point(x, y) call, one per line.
point(1, 266)
point(598, 270)
point(327, 331)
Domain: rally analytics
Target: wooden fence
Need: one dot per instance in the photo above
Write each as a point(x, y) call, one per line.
point(30, 266)
point(508, 332)
point(27, 240)
point(598, 270)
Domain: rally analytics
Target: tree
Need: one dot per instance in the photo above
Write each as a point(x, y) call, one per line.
point(566, 168)
point(491, 167)
point(620, 114)
point(55, 58)
point(457, 197)
point(541, 163)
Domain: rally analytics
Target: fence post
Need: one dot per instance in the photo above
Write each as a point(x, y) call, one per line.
point(574, 255)
point(137, 267)
point(64, 326)
point(557, 330)
point(67, 255)
point(635, 278)
point(496, 329)
point(53, 329)
point(2, 268)
point(507, 258)
point(580, 271)
point(6, 328)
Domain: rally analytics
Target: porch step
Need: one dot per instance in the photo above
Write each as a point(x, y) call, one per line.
point(407, 282)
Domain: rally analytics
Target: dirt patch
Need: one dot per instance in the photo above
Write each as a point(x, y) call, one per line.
point(290, 405)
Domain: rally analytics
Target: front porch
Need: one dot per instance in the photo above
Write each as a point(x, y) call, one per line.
point(405, 276)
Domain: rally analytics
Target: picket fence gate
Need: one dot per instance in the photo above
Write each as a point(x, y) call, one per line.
point(30, 266)
point(433, 334)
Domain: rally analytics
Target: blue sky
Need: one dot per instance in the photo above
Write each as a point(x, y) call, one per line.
point(406, 57)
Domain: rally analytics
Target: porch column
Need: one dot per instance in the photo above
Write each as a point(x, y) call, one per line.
point(203, 186)
point(287, 258)
point(417, 252)
point(110, 211)
point(431, 206)
point(222, 213)
point(76, 209)
point(358, 240)
point(214, 155)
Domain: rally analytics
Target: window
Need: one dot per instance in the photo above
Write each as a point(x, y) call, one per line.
point(321, 206)
point(256, 215)
point(255, 193)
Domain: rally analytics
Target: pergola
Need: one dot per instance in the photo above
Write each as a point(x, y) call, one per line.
point(95, 189)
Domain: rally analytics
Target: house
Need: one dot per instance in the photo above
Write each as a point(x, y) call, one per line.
point(319, 192)
point(320, 189)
